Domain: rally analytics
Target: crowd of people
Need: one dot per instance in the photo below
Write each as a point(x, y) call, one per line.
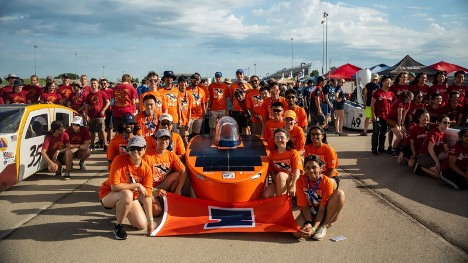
point(145, 131)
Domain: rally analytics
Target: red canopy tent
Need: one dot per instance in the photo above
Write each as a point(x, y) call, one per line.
point(447, 67)
point(343, 72)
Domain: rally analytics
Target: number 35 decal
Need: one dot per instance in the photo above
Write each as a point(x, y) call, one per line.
point(356, 122)
point(35, 155)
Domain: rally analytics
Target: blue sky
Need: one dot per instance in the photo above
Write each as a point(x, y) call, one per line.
point(135, 36)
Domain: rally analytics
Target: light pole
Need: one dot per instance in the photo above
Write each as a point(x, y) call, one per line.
point(292, 52)
point(255, 69)
point(35, 72)
point(76, 71)
point(323, 46)
point(325, 15)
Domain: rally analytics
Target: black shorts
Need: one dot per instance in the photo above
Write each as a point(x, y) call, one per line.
point(107, 208)
point(61, 158)
point(241, 120)
point(337, 180)
point(316, 118)
point(108, 121)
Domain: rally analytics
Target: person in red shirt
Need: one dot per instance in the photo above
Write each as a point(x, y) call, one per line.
point(458, 86)
point(396, 119)
point(65, 89)
point(453, 109)
point(50, 96)
point(285, 166)
point(18, 95)
point(400, 84)
point(129, 183)
point(217, 105)
point(96, 105)
point(76, 100)
point(380, 107)
point(320, 203)
point(455, 167)
point(169, 174)
point(84, 83)
point(434, 149)
point(104, 86)
point(6, 90)
point(125, 99)
point(417, 135)
point(80, 139)
point(419, 84)
point(439, 85)
point(417, 103)
point(435, 107)
point(34, 90)
point(56, 150)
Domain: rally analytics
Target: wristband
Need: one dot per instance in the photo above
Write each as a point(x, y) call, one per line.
point(150, 219)
point(314, 229)
point(307, 222)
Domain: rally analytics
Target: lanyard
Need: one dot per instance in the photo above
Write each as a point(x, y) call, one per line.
point(197, 97)
point(309, 192)
point(123, 135)
point(150, 124)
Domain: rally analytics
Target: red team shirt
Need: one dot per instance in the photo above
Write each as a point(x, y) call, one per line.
point(436, 137)
point(55, 143)
point(383, 102)
point(96, 102)
point(78, 137)
point(124, 94)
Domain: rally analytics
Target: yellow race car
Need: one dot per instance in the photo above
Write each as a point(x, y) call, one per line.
point(22, 132)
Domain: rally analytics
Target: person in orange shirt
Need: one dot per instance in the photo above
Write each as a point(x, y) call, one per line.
point(169, 173)
point(172, 97)
point(147, 119)
point(217, 105)
point(254, 104)
point(161, 103)
point(237, 111)
point(320, 203)
point(130, 177)
point(118, 145)
point(276, 122)
point(295, 132)
point(185, 108)
point(316, 145)
point(268, 103)
point(198, 109)
point(176, 144)
point(285, 166)
point(301, 116)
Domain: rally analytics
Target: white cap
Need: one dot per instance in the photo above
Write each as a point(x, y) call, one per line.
point(77, 120)
point(166, 116)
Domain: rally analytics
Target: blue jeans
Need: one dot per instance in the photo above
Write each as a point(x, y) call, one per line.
point(379, 135)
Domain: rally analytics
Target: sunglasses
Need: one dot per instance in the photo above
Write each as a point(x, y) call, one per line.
point(277, 110)
point(164, 123)
point(135, 148)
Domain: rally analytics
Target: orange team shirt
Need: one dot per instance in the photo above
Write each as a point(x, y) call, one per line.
point(117, 146)
point(122, 171)
point(286, 162)
point(185, 107)
point(162, 165)
point(148, 124)
point(198, 99)
point(267, 113)
point(326, 154)
point(219, 92)
point(254, 101)
point(172, 101)
point(320, 196)
point(232, 89)
point(297, 137)
point(270, 128)
point(178, 146)
point(301, 117)
point(161, 103)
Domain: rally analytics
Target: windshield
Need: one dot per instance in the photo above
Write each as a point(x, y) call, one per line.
point(10, 119)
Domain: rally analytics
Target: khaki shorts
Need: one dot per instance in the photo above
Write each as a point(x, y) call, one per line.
point(96, 125)
point(215, 116)
point(183, 131)
point(195, 126)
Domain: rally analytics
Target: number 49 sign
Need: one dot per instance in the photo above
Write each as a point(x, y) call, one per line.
point(356, 122)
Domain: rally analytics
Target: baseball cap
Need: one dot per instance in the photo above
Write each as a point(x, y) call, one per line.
point(162, 133)
point(65, 76)
point(17, 83)
point(412, 74)
point(136, 141)
point(12, 76)
point(77, 120)
point(228, 80)
point(241, 71)
point(166, 116)
point(195, 76)
point(242, 81)
point(128, 118)
point(169, 74)
point(218, 74)
point(290, 114)
point(375, 76)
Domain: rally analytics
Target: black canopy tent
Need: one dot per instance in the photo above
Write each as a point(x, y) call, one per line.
point(407, 64)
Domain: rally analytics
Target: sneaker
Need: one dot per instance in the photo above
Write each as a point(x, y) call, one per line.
point(105, 147)
point(66, 176)
point(59, 171)
point(417, 169)
point(381, 150)
point(320, 233)
point(119, 232)
point(363, 133)
point(450, 181)
point(393, 152)
point(375, 153)
point(82, 166)
point(91, 148)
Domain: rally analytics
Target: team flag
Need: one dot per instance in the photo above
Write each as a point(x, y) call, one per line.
point(184, 216)
point(301, 75)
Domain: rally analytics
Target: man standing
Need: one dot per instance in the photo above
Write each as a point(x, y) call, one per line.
point(161, 103)
point(65, 89)
point(77, 99)
point(198, 107)
point(96, 105)
point(367, 97)
point(79, 141)
point(172, 98)
point(104, 86)
point(18, 95)
point(84, 84)
point(217, 107)
point(125, 99)
point(267, 104)
point(147, 119)
point(5, 91)
point(380, 107)
point(301, 117)
point(315, 105)
point(184, 109)
point(306, 95)
point(254, 103)
point(236, 111)
point(34, 90)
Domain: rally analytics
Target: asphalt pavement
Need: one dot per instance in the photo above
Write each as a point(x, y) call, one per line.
point(390, 215)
